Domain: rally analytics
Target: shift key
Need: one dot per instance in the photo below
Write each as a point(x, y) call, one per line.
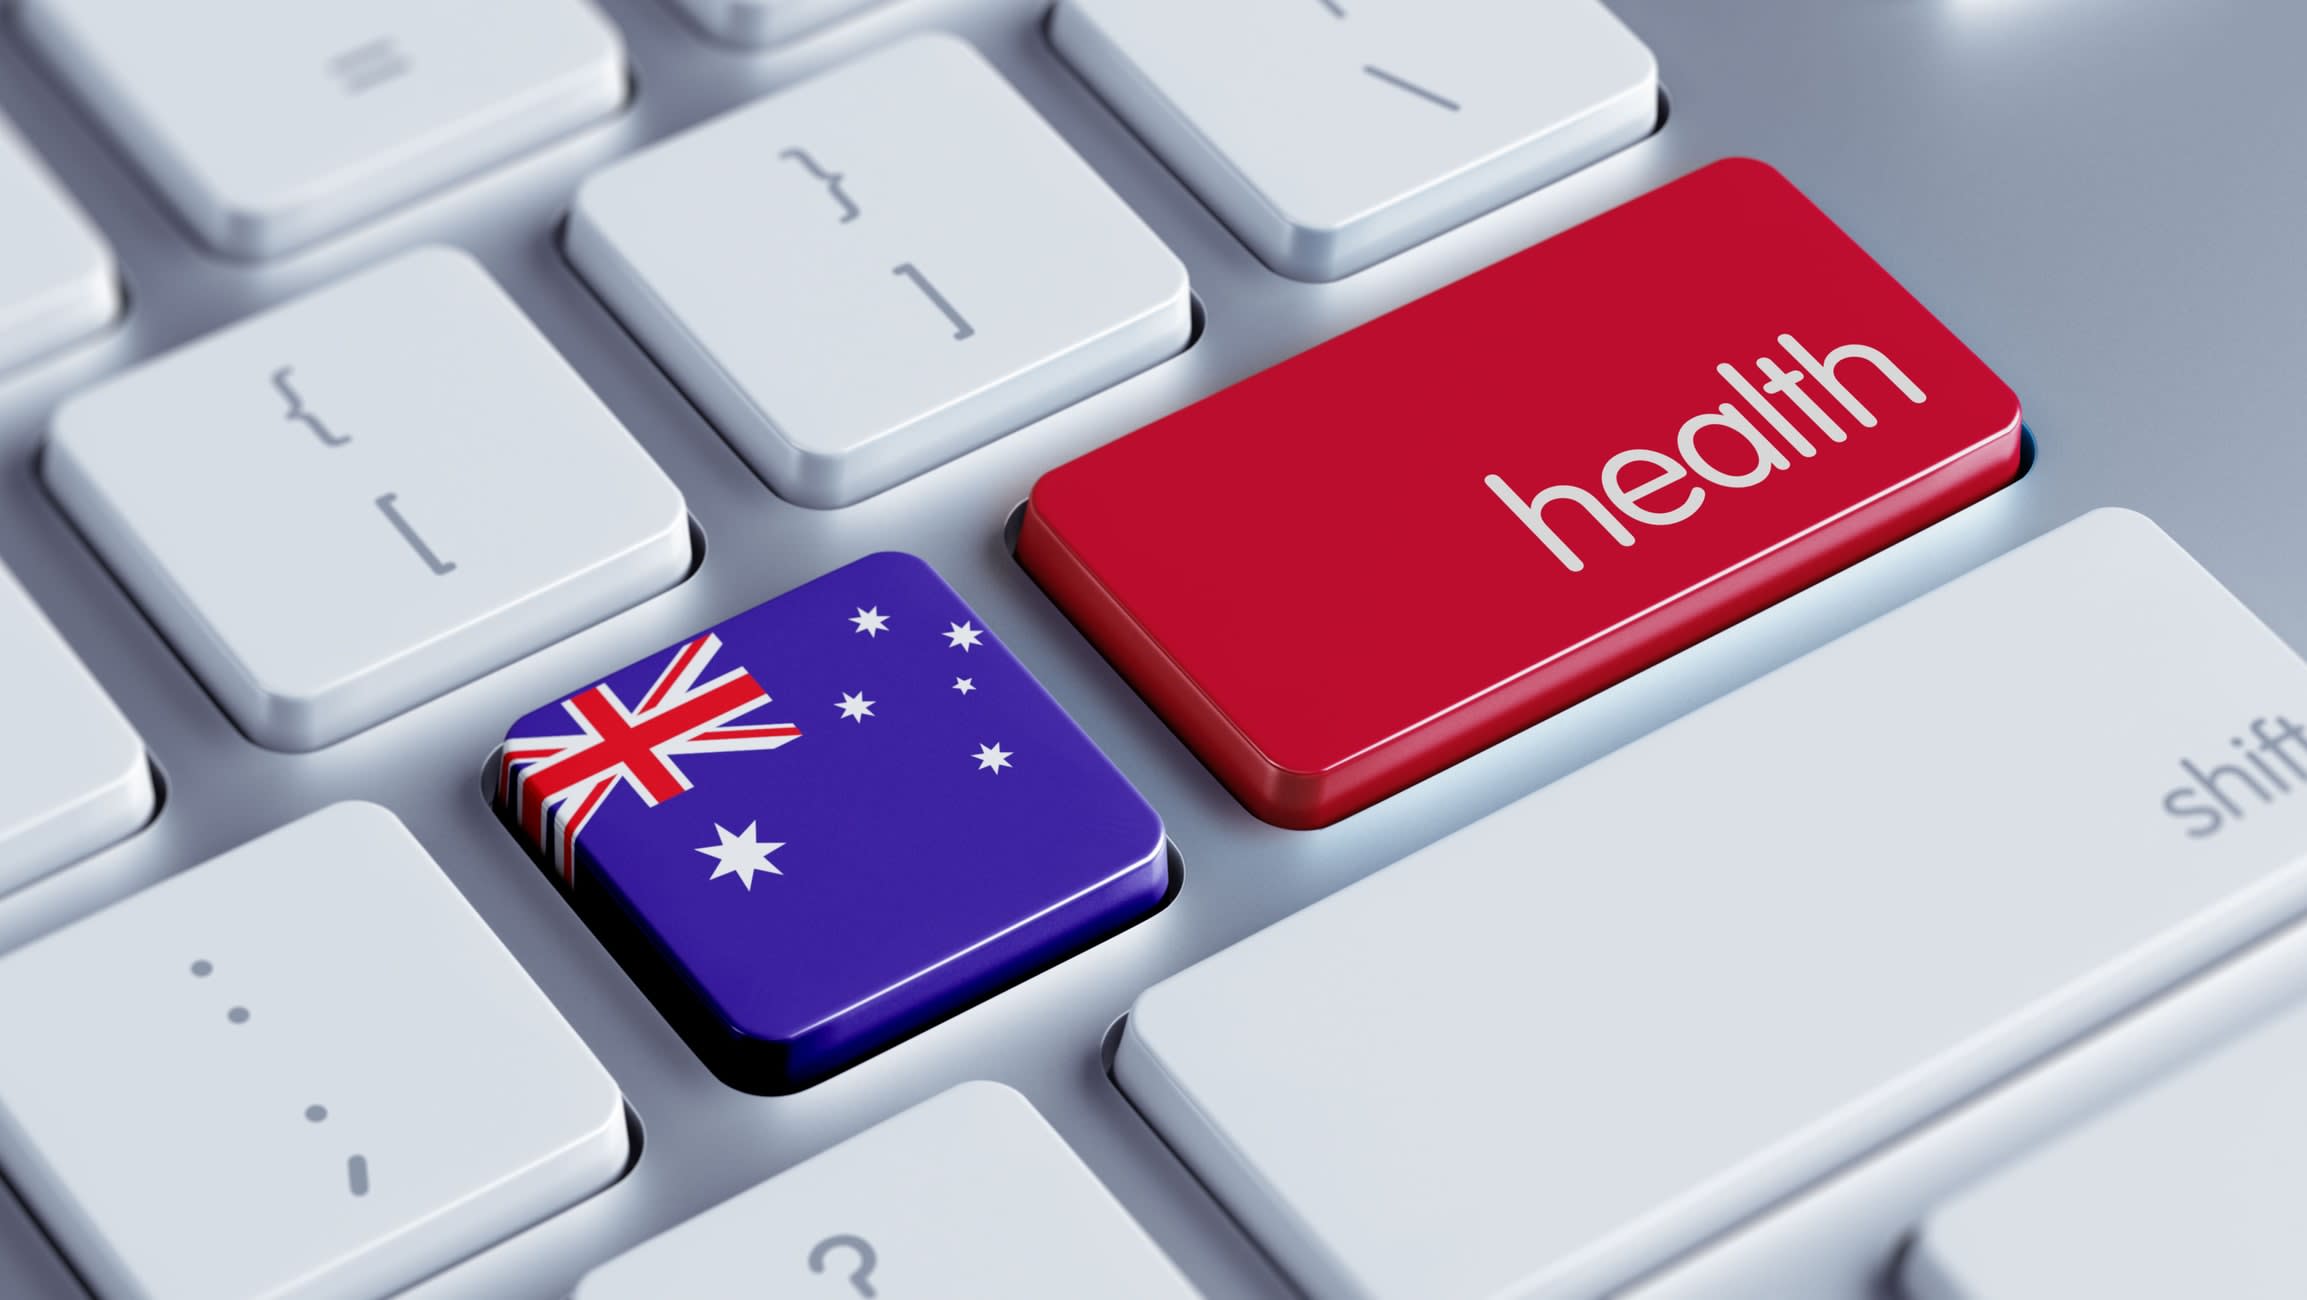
point(1582, 1036)
point(1430, 532)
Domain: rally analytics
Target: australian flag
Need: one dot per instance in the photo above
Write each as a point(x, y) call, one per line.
point(829, 821)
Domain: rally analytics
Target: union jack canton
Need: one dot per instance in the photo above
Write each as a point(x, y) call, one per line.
point(552, 785)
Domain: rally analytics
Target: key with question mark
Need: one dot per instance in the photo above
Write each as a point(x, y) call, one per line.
point(861, 1276)
point(970, 1193)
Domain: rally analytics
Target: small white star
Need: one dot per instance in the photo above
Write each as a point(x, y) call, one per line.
point(964, 684)
point(872, 622)
point(992, 757)
point(962, 636)
point(855, 707)
point(741, 855)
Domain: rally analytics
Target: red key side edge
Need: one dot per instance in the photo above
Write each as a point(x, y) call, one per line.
point(1304, 799)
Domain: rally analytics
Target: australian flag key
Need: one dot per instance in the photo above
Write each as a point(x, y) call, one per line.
point(824, 824)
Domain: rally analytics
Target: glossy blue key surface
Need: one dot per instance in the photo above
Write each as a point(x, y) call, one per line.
point(828, 821)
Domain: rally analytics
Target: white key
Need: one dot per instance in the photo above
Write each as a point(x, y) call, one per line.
point(302, 1069)
point(877, 270)
point(763, 22)
point(1333, 134)
point(273, 123)
point(57, 283)
point(2190, 1189)
point(970, 1193)
point(347, 505)
point(1610, 1020)
point(73, 775)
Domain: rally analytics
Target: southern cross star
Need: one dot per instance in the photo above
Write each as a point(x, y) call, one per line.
point(741, 855)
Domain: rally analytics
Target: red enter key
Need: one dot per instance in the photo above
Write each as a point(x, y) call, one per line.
point(1354, 569)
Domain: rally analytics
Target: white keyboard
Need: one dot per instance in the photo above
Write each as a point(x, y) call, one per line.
point(484, 813)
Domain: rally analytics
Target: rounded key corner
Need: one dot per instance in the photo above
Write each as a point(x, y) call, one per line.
point(694, 543)
point(579, 234)
point(67, 423)
point(2122, 525)
point(244, 234)
point(1033, 512)
point(287, 719)
point(1154, 880)
point(361, 819)
point(740, 25)
point(1742, 168)
point(2125, 519)
point(1922, 1269)
point(284, 724)
point(108, 291)
point(1039, 518)
point(123, 807)
point(140, 791)
point(1296, 801)
point(1314, 254)
point(674, 549)
point(453, 260)
point(938, 43)
point(1179, 315)
point(896, 559)
point(1650, 82)
point(752, 26)
point(612, 1149)
point(810, 476)
point(1141, 1025)
point(101, 305)
point(1289, 791)
point(988, 1094)
point(240, 220)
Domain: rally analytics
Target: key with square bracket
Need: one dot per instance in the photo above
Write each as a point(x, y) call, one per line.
point(305, 1068)
point(878, 270)
point(275, 123)
point(77, 778)
point(349, 504)
point(1333, 134)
